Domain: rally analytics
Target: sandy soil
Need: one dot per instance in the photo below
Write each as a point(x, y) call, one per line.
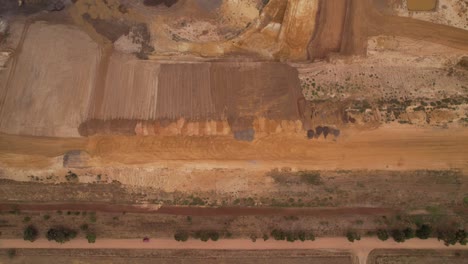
point(391, 147)
point(50, 71)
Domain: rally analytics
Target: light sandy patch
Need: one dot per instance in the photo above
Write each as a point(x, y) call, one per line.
point(48, 92)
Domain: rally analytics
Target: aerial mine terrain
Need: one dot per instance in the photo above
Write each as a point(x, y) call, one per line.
point(234, 131)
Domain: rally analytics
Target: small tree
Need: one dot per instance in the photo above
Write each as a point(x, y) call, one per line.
point(30, 233)
point(278, 234)
point(409, 233)
point(214, 236)
point(382, 234)
point(352, 236)
point(462, 237)
point(91, 237)
point(398, 236)
point(424, 232)
point(181, 236)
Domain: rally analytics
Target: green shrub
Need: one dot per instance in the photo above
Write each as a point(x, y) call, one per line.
point(382, 234)
point(352, 236)
point(424, 232)
point(448, 236)
point(409, 233)
point(265, 237)
point(278, 234)
point(30, 233)
point(462, 237)
point(91, 237)
point(292, 236)
point(26, 219)
point(61, 234)
point(398, 235)
point(181, 236)
point(205, 235)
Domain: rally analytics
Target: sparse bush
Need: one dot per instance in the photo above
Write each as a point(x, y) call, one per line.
point(204, 235)
point(30, 233)
point(61, 234)
point(181, 236)
point(265, 237)
point(382, 234)
point(26, 219)
point(46, 217)
point(253, 237)
point(71, 176)
point(292, 236)
point(91, 237)
point(311, 177)
point(84, 227)
point(352, 236)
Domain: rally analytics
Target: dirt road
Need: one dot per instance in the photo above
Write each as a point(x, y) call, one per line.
point(360, 248)
point(394, 148)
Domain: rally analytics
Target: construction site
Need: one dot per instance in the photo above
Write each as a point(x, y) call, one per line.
point(284, 131)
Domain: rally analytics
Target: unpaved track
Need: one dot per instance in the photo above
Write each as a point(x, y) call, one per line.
point(361, 249)
point(384, 148)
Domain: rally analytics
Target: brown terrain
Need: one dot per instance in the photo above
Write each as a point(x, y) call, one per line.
point(234, 119)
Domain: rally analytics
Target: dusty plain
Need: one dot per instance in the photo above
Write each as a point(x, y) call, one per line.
point(237, 120)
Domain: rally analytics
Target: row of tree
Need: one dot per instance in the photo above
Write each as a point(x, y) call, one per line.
point(450, 236)
point(58, 234)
